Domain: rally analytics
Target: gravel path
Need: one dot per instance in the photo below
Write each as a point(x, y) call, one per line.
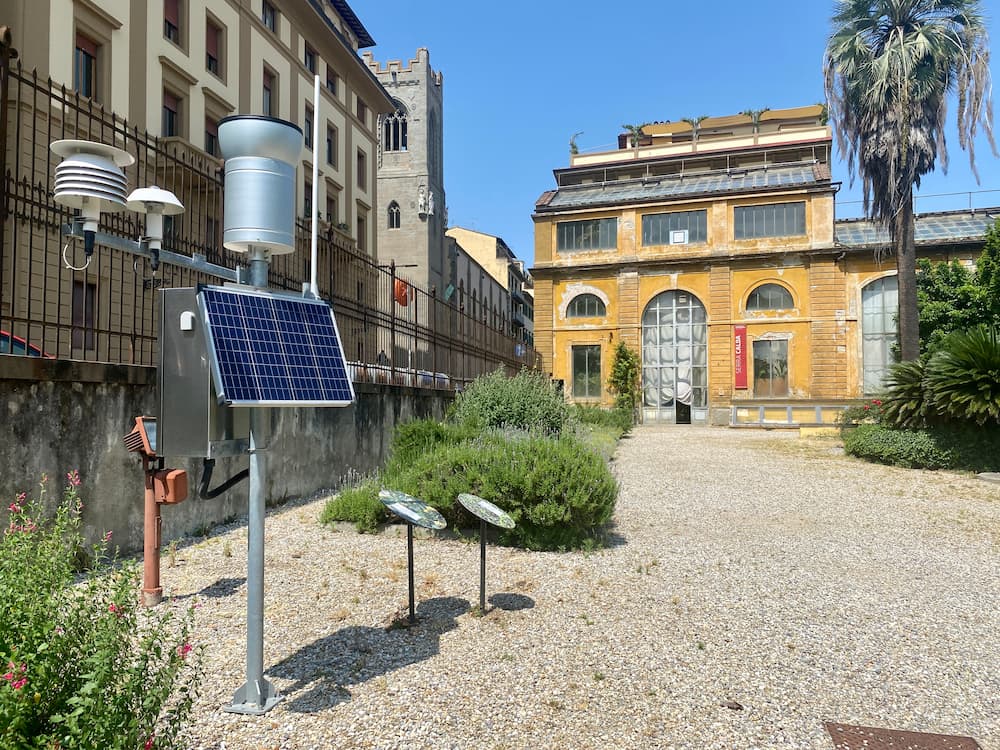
point(746, 567)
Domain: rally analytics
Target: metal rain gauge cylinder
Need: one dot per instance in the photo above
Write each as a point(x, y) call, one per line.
point(260, 155)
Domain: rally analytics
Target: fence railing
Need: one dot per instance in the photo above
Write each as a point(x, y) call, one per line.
point(108, 311)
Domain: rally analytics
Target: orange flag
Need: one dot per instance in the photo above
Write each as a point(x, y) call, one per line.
point(402, 293)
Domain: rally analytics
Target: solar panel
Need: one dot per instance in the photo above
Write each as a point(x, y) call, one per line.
point(269, 349)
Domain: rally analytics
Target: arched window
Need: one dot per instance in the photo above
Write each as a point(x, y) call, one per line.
point(434, 147)
point(770, 297)
point(879, 308)
point(393, 215)
point(394, 130)
point(586, 306)
point(675, 358)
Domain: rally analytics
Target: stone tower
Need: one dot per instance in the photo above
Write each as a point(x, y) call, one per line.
point(411, 216)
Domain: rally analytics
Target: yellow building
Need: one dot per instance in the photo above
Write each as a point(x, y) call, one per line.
point(712, 250)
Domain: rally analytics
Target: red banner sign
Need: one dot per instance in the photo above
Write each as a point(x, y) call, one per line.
point(740, 357)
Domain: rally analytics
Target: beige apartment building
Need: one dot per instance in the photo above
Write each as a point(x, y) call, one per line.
point(175, 68)
point(155, 78)
point(499, 261)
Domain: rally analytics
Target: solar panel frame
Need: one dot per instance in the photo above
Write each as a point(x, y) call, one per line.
point(273, 349)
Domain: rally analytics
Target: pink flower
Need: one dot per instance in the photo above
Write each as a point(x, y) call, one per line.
point(73, 477)
point(14, 508)
point(867, 407)
point(18, 684)
point(149, 742)
point(115, 610)
point(9, 676)
point(877, 402)
point(21, 497)
point(183, 651)
point(107, 537)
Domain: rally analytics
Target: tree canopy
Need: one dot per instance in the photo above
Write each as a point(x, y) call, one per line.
point(889, 70)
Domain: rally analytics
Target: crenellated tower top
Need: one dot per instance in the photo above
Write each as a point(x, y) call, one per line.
point(419, 64)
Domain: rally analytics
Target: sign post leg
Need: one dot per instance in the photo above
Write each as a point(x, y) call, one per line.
point(482, 567)
point(409, 560)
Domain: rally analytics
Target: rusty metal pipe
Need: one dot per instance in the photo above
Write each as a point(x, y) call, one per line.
point(152, 592)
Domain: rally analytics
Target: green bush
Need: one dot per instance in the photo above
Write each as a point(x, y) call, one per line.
point(937, 447)
point(624, 379)
point(415, 438)
point(358, 505)
point(962, 380)
point(85, 666)
point(959, 384)
point(904, 404)
point(558, 491)
point(515, 442)
point(526, 401)
point(909, 448)
point(616, 419)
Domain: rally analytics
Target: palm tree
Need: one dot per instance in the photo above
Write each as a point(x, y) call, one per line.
point(695, 123)
point(635, 135)
point(889, 68)
point(754, 115)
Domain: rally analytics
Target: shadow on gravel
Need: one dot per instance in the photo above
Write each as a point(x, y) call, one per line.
point(321, 670)
point(222, 587)
point(608, 536)
point(511, 602)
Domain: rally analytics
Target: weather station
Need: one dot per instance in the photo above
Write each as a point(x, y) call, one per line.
point(228, 352)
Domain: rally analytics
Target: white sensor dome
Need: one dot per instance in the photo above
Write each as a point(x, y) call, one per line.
point(90, 176)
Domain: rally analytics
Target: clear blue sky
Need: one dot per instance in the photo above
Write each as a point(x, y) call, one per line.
point(521, 77)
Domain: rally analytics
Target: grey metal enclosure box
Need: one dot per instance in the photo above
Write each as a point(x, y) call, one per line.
point(191, 421)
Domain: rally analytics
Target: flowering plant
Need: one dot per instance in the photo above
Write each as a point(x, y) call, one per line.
point(870, 412)
point(83, 665)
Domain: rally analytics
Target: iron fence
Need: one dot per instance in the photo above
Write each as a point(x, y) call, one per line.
point(54, 305)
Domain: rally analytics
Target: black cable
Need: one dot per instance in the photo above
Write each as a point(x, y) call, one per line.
point(208, 466)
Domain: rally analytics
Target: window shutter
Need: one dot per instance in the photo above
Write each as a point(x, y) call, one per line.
point(171, 11)
point(86, 45)
point(212, 41)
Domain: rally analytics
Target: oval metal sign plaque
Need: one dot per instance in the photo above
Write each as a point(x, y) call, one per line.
point(486, 510)
point(412, 510)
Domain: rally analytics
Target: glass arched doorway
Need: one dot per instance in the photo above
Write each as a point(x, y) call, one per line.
point(675, 359)
point(879, 335)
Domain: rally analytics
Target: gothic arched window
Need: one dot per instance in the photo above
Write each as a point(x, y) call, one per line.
point(394, 130)
point(393, 215)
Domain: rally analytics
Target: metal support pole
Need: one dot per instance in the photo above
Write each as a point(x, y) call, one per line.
point(152, 592)
point(409, 560)
point(7, 53)
point(257, 696)
point(482, 567)
point(392, 321)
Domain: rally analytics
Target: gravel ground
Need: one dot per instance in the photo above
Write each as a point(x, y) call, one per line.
point(746, 567)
